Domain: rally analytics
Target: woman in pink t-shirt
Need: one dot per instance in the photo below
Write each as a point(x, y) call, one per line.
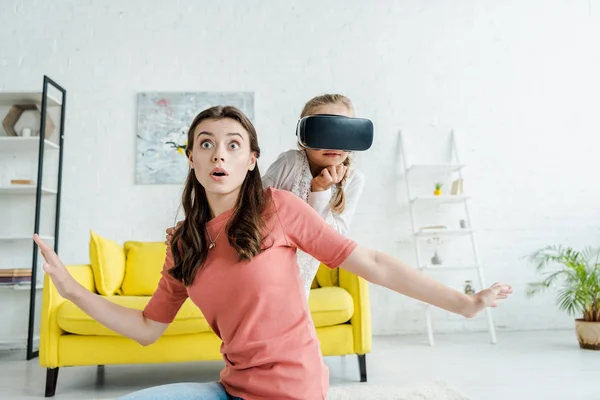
point(234, 256)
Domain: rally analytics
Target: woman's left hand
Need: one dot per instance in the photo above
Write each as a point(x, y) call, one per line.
point(488, 298)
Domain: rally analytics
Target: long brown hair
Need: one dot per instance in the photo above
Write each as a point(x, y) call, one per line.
point(338, 203)
point(245, 228)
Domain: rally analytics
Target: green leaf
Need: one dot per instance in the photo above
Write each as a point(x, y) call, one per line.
point(576, 276)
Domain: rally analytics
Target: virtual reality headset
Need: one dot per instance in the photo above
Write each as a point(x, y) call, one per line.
point(334, 132)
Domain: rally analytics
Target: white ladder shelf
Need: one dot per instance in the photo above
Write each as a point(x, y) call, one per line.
point(437, 169)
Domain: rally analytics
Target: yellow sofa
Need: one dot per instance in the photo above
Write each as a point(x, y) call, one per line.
point(128, 275)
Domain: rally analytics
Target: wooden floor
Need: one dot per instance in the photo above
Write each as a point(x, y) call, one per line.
point(522, 365)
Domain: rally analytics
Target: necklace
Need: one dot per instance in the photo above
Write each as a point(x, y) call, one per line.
point(213, 244)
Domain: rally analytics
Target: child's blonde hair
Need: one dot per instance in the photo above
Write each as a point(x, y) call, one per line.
point(339, 202)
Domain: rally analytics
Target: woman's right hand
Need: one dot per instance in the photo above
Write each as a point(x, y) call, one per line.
point(129, 322)
point(66, 285)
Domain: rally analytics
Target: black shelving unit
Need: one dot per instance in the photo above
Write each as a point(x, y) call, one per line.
point(31, 353)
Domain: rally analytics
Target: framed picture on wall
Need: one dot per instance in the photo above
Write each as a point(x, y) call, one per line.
point(163, 120)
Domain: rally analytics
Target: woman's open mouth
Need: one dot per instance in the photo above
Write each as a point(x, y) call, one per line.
point(218, 174)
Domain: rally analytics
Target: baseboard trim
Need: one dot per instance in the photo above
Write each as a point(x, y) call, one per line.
point(18, 344)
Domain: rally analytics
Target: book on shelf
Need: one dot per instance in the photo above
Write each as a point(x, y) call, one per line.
point(15, 272)
point(14, 281)
point(21, 182)
point(15, 276)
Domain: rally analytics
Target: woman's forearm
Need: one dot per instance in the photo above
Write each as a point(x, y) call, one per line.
point(400, 277)
point(126, 321)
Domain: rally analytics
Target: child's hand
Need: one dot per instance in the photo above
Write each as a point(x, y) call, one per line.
point(170, 232)
point(329, 176)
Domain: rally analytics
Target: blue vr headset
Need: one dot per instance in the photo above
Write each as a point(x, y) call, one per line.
point(334, 132)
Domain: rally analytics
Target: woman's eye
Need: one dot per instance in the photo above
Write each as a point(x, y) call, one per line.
point(206, 144)
point(234, 146)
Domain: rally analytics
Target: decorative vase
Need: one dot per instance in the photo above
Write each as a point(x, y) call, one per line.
point(436, 260)
point(469, 287)
point(588, 334)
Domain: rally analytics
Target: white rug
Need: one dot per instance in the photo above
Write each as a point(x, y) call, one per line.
point(437, 390)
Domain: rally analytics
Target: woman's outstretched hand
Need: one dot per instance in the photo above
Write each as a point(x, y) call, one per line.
point(384, 270)
point(488, 298)
point(64, 282)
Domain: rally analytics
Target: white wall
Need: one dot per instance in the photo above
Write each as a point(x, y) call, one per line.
point(518, 80)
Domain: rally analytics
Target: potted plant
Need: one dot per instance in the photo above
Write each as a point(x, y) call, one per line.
point(438, 189)
point(578, 287)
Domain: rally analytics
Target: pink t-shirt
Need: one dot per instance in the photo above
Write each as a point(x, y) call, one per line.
point(259, 309)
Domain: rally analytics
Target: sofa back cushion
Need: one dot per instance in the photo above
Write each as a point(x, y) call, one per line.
point(315, 283)
point(145, 261)
point(327, 277)
point(107, 258)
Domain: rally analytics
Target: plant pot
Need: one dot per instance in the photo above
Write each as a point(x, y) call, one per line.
point(588, 334)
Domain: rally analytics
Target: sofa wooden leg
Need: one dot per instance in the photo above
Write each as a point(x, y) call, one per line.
point(51, 379)
point(362, 365)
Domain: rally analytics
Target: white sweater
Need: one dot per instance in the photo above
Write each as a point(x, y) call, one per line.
point(291, 172)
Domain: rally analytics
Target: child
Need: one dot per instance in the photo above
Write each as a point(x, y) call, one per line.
point(322, 178)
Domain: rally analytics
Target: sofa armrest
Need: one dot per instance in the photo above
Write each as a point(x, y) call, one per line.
point(361, 319)
point(51, 300)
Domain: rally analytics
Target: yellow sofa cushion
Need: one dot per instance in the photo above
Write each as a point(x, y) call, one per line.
point(327, 276)
point(145, 261)
point(314, 284)
point(107, 258)
point(71, 319)
point(330, 306)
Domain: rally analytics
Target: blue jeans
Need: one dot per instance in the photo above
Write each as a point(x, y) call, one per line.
point(182, 391)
